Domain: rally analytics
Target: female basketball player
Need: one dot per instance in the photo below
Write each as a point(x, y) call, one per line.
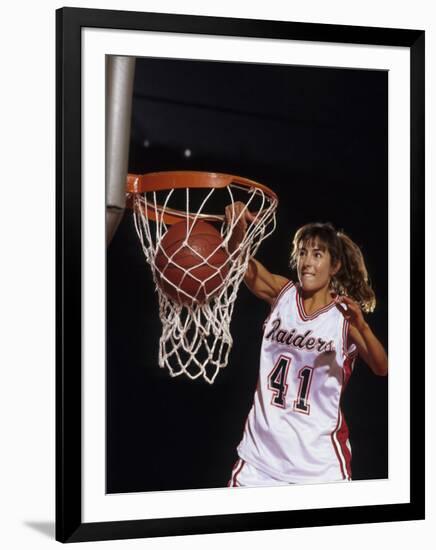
point(295, 431)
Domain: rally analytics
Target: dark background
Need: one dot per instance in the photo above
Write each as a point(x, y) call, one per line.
point(318, 138)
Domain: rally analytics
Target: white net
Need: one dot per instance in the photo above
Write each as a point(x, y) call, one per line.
point(196, 339)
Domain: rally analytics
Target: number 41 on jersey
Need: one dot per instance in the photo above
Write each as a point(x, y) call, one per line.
point(279, 387)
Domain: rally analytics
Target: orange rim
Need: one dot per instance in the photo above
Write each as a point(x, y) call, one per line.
point(161, 181)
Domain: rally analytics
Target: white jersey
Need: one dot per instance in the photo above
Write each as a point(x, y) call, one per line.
point(295, 430)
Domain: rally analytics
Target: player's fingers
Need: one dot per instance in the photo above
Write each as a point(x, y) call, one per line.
point(235, 214)
point(349, 301)
point(250, 216)
point(345, 312)
point(228, 214)
point(341, 308)
point(241, 214)
point(239, 211)
point(354, 307)
point(232, 211)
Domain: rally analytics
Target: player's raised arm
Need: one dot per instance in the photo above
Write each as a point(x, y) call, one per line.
point(368, 345)
point(259, 280)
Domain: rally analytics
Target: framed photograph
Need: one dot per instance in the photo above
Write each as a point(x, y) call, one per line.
point(240, 224)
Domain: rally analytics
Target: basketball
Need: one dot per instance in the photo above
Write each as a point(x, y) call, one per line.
point(193, 270)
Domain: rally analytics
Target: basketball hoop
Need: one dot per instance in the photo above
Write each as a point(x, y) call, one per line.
point(196, 339)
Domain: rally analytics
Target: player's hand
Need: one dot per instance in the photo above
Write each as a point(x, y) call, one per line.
point(352, 312)
point(239, 215)
point(233, 212)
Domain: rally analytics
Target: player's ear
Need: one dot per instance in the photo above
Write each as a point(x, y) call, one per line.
point(335, 268)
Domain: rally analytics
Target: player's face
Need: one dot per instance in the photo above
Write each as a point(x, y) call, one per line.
point(314, 266)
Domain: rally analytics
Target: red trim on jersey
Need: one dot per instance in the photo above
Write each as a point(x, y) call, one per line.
point(348, 369)
point(335, 446)
point(285, 287)
point(345, 340)
point(342, 436)
point(317, 313)
point(343, 453)
point(344, 337)
point(235, 472)
point(343, 433)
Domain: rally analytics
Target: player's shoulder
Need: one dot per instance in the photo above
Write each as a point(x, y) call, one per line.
point(283, 286)
point(282, 282)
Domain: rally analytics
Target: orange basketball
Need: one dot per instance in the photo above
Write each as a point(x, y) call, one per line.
point(197, 267)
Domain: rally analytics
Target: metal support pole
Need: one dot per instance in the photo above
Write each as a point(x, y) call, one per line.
point(120, 73)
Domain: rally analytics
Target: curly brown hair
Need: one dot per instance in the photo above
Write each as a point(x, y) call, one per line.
point(352, 277)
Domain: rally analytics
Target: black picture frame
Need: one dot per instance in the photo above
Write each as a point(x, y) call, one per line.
point(69, 524)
